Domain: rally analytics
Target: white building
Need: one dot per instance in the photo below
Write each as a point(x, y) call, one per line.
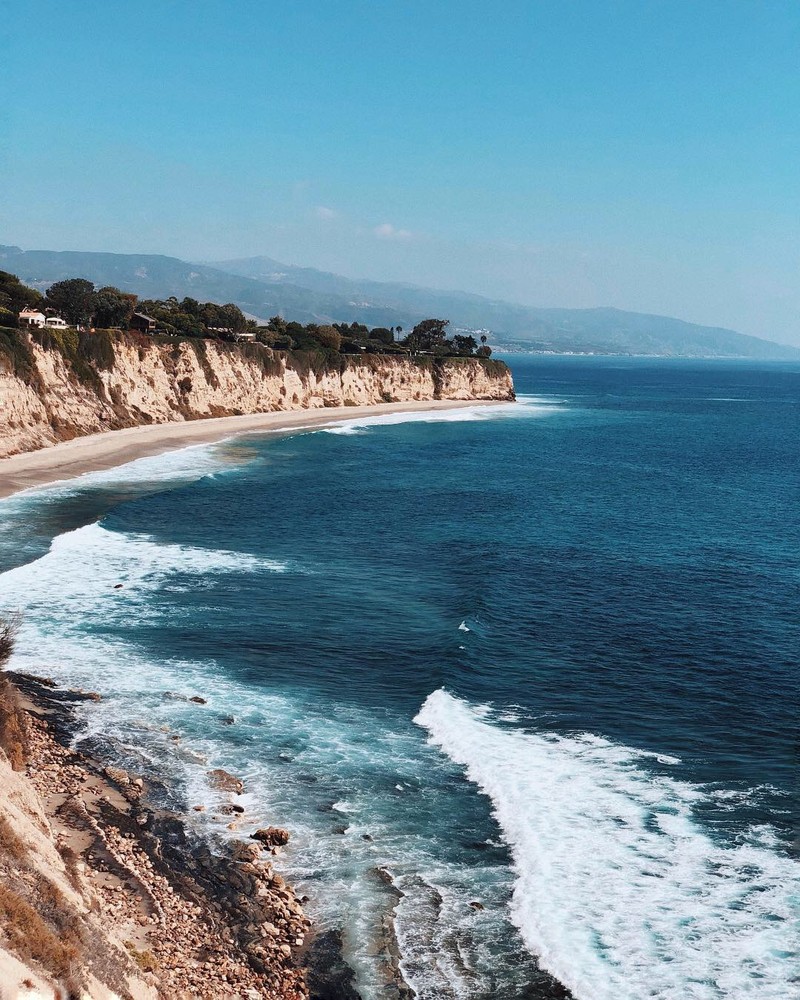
point(32, 317)
point(55, 323)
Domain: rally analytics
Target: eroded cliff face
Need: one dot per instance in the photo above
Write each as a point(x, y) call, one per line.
point(54, 397)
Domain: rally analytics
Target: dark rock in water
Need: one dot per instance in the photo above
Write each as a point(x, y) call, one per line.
point(228, 810)
point(476, 905)
point(117, 586)
point(173, 696)
point(272, 836)
point(227, 720)
point(225, 781)
point(329, 977)
point(366, 836)
point(341, 830)
point(198, 700)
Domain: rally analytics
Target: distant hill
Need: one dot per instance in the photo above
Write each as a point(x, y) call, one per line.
point(155, 276)
point(264, 287)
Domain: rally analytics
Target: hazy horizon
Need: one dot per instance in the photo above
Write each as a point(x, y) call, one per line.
point(635, 156)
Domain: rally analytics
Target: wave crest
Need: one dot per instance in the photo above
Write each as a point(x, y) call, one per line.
point(618, 890)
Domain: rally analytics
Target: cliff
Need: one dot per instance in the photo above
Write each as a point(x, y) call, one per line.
point(55, 386)
point(103, 898)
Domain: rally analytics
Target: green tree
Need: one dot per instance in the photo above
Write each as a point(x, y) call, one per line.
point(190, 306)
point(14, 297)
point(113, 308)
point(382, 334)
point(72, 299)
point(277, 324)
point(329, 337)
point(430, 335)
point(464, 344)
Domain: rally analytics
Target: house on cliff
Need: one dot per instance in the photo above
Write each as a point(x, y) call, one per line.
point(32, 317)
point(142, 323)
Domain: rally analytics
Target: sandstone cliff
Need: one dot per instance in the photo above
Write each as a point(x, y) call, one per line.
point(53, 388)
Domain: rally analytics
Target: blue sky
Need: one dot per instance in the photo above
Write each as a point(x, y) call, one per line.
point(644, 155)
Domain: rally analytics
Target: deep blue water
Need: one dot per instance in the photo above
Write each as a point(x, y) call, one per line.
point(543, 657)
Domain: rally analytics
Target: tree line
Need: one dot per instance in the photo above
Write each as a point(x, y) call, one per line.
point(82, 305)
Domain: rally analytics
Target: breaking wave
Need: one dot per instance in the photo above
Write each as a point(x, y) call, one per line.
point(618, 890)
point(525, 406)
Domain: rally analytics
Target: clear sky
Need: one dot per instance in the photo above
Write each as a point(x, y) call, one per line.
point(644, 155)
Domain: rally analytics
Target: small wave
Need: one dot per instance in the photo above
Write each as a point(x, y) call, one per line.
point(182, 465)
point(619, 891)
point(106, 576)
point(523, 407)
point(463, 627)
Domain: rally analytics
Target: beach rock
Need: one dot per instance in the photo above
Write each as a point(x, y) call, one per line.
point(198, 700)
point(243, 852)
point(476, 905)
point(231, 808)
point(224, 781)
point(271, 836)
point(117, 775)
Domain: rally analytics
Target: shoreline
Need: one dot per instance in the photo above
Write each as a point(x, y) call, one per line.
point(178, 915)
point(98, 452)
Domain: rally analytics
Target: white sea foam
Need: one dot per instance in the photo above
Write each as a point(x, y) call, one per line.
point(525, 406)
point(184, 464)
point(619, 890)
point(95, 575)
point(98, 559)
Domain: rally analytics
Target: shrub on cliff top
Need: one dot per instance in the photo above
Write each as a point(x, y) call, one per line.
point(16, 353)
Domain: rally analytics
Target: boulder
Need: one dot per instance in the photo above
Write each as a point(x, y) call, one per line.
point(225, 781)
point(271, 836)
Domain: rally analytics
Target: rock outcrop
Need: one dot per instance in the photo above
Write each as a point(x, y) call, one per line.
point(54, 389)
point(104, 898)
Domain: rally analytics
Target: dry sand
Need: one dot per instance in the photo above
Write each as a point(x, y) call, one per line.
point(103, 451)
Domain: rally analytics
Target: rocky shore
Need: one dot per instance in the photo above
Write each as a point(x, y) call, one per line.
point(145, 911)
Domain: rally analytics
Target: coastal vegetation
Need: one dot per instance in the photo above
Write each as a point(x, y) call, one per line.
point(84, 307)
point(13, 728)
point(193, 360)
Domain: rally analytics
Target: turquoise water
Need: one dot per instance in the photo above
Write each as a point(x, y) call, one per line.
point(541, 657)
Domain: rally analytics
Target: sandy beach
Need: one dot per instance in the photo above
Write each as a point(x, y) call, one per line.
point(95, 452)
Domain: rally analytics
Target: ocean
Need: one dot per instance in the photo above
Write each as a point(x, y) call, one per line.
point(521, 680)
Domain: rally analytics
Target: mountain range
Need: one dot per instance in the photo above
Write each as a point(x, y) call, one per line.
point(264, 287)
